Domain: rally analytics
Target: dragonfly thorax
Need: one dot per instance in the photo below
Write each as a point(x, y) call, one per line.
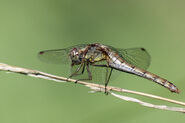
point(94, 54)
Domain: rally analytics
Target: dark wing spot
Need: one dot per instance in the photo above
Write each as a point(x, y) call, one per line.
point(41, 52)
point(143, 49)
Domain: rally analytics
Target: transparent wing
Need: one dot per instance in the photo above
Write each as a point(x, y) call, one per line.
point(57, 56)
point(136, 56)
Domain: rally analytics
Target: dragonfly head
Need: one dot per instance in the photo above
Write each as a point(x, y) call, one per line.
point(76, 56)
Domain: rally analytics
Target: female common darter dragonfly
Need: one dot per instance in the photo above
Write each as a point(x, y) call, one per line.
point(84, 59)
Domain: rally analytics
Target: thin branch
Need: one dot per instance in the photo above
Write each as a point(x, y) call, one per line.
point(163, 107)
point(96, 87)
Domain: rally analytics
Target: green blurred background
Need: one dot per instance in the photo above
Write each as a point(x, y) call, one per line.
point(28, 26)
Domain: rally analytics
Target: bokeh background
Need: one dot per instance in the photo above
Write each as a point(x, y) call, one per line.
point(28, 26)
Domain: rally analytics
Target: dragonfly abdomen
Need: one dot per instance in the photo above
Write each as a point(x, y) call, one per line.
point(157, 79)
point(126, 67)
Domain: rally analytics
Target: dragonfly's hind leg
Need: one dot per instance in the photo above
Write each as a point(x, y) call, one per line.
point(107, 76)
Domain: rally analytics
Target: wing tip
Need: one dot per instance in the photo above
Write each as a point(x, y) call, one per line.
point(41, 52)
point(143, 49)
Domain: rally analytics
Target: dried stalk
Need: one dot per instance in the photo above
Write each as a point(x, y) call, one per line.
point(97, 87)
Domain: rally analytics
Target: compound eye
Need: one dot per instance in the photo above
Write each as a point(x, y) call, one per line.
point(74, 52)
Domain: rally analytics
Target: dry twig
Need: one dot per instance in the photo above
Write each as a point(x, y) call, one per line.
point(97, 87)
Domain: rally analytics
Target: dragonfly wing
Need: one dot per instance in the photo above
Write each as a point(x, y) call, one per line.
point(136, 56)
point(59, 56)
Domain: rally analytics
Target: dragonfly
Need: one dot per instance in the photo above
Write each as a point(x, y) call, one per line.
point(86, 60)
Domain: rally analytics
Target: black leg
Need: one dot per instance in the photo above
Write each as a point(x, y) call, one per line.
point(89, 73)
point(99, 65)
point(83, 69)
point(77, 70)
point(109, 75)
point(107, 79)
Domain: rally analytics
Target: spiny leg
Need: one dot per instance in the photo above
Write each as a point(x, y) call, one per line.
point(89, 73)
point(83, 69)
point(107, 79)
point(77, 70)
point(99, 65)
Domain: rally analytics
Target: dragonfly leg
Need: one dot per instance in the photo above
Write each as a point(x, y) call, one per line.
point(83, 69)
point(89, 73)
point(107, 76)
point(99, 65)
point(107, 79)
point(77, 70)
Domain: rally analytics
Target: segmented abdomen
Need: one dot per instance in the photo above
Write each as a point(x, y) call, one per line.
point(121, 65)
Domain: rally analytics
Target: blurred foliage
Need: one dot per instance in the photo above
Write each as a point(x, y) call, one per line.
point(28, 26)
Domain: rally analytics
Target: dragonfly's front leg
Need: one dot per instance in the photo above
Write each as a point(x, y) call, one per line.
point(88, 71)
point(77, 70)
